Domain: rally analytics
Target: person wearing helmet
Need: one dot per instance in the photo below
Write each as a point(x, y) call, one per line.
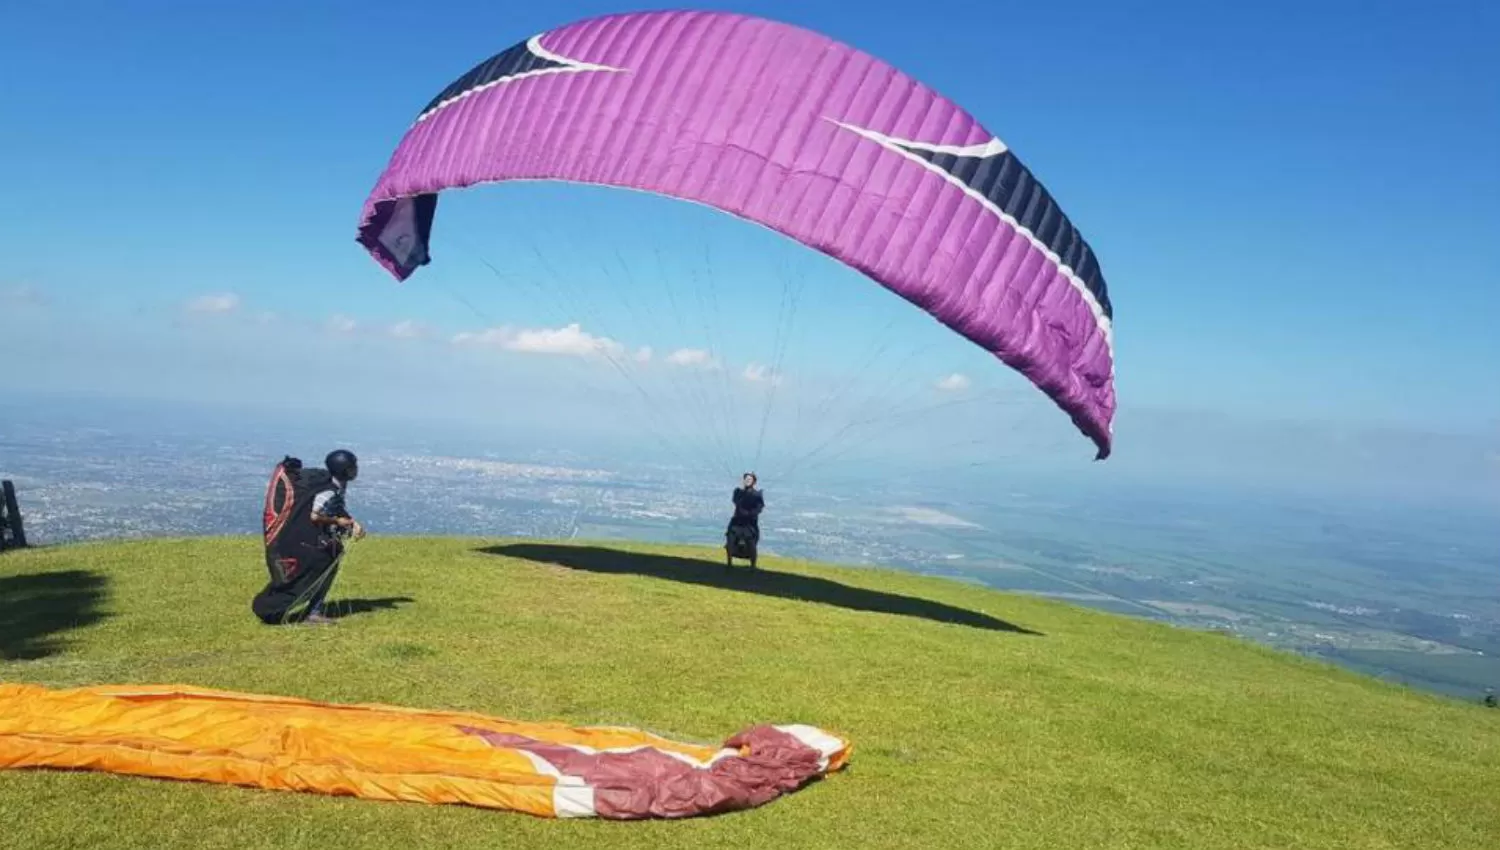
point(305, 543)
point(742, 537)
point(328, 509)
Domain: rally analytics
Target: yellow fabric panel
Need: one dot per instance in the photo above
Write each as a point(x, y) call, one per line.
point(372, 751)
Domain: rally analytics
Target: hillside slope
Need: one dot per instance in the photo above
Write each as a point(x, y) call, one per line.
point(980, 719)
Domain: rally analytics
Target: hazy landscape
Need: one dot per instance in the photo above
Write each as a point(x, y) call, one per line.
point(1405, 594)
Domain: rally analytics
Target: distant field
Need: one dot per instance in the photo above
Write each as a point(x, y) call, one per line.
point(1376, 577)
point(1453, 674)
point(980, 719)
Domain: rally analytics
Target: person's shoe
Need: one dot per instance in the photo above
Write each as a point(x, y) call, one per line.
point(319, 620)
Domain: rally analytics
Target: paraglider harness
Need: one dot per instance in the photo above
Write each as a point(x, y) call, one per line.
point(301, 558)
point(742, 538)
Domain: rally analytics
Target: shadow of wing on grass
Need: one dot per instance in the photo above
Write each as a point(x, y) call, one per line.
point(37, 609)
point(599, 559)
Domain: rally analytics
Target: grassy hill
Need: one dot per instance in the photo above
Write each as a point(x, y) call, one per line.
point(980, 719)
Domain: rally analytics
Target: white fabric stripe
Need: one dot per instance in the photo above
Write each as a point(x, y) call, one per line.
point(574, 801)
point(534, 44)
point(1103, 322)
point(571, 796)
point(682, 757)
point(994, 147)
point(814, 738)
point(542, 766)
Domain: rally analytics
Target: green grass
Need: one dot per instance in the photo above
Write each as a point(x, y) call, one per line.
point(1095, 731)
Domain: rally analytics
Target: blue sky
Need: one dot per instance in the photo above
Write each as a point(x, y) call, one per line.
point(1294, 205)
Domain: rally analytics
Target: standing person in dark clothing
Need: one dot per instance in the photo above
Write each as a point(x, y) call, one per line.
point(748, 503)
point(742, 538)
point(306, 522)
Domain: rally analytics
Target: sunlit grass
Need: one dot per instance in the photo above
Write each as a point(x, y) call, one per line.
point(980, 719)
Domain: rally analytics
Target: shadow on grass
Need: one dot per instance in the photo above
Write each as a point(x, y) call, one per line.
point(36, 609)
point(598, 559)
point(341, 608)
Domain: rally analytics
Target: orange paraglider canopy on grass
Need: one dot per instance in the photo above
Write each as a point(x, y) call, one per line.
point(383, 752)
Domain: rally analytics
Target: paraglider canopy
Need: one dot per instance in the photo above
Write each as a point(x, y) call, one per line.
point(791, 130)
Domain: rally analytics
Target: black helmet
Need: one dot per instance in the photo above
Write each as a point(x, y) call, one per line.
point(342, 464)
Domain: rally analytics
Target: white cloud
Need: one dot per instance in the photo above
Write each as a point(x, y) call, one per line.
point(571, 340)
point(219, 302)
point(690, 357)
point(342, 324)
point(643, 354)
point(757, 373)
point(488, 338)
point(408, 329)
point(953, 383)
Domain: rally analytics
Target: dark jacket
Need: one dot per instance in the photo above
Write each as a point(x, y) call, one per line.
point(747, 507)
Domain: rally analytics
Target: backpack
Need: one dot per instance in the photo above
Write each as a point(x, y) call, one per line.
point(287, 533)
point(281, 497)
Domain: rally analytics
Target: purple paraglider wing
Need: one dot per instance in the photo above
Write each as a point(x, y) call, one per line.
point(792, 130)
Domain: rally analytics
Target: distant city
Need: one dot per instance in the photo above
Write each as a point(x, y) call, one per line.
point(1410, 598)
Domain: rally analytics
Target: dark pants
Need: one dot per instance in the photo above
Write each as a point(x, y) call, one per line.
point(274, 604)
point(742, 538)
point(745, 521)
